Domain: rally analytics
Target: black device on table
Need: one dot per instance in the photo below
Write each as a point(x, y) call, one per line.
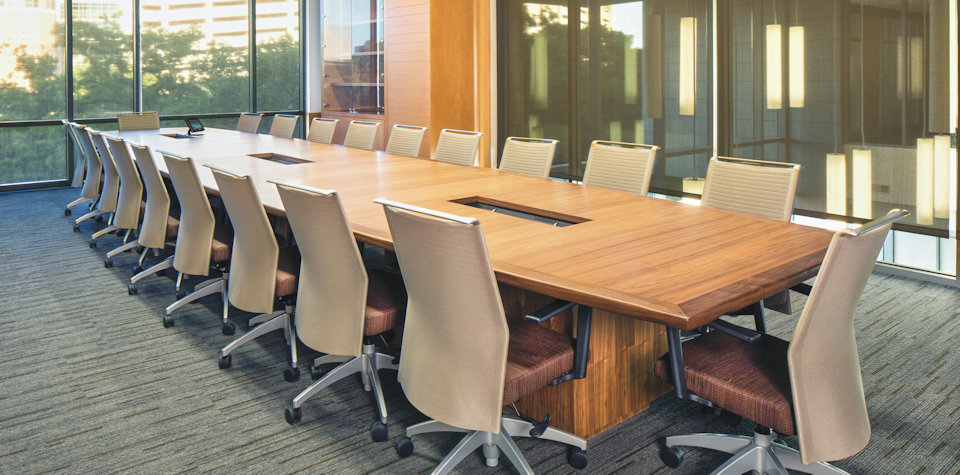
point(193, 126)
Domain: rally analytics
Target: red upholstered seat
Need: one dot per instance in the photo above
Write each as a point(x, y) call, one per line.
point(386, 299)
point(748, 379)
point(536, 356)
point(220, 247)
point(288, 268)
point(173, 225)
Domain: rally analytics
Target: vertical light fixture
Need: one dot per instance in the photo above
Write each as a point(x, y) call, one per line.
point(539, 80)
point(863, 184)
point(797, 91)
point(630, 76)
point(925, 181)
point(941, 174)
point(688, 65)
point(774, 67)
point(837, 184)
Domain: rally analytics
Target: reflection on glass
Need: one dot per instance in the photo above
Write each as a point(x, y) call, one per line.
point(353, 56)
point(33, 154)
point(31, 61)
point(102, 58)
point(278, 55)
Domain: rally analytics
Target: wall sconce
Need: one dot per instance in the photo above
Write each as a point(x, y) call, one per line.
point(688, 65)
point(863, 184)
point(774, 68)
point(941, 174)
point(925, 181)
point(837, 184)
point(796, 46)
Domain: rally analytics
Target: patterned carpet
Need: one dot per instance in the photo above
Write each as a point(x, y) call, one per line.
point(92, 383)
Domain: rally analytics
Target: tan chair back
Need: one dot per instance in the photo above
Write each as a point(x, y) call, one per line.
point(361, 134)
point(760, 188)
point(528, 156)
point(405, 140)
point(249, 123)
point(620, 166)
point(153, 229)
point(91, 181)
point(457, 146)
point(322, 129)
point(332, 295)
point(455, 335)
point(284, 125)
point(77, 180)
point(111, 178)
point(254, 255)
point(828, 400)
point(195, 234)
point(127, 215)
point(138, 120)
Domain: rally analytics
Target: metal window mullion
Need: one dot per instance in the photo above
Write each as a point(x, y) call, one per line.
point(303, 63)
point(252, 25)
point(137, 57)
point(68, 77)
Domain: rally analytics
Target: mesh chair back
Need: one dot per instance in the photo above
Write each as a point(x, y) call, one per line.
point(620, 166)
point(127, 215)
point(111, 178)
point(457, 146)
point(91, 180)
point(248, 123)
point(828, 400)
point(195, 234)
point(333, 282)
point(254, 255)
point(455, 334)
point(153, 229)
point(361, 134)
point(77, 179)
point(406, 140)
point(528, 156)
point(284, 125)
point(765, 189)
point(138, 120)
point(321, 130)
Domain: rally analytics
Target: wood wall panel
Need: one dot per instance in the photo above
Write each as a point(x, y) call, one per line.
point(407, 66)
point(452, 65)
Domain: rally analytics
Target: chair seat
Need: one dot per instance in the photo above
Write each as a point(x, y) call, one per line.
point(173, 225)
point(750, 380)
point(288, 268)
point(220, 247)
point(386, 299)
point(536, 356)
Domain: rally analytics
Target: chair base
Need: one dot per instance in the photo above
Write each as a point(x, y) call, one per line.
point(162, 265)
point(759, 453)
point(266, 323)
point(368, 364)
point(493, 444)
point(203, 289)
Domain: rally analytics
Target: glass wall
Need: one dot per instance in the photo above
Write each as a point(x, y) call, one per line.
point(353, 65)
point(278, 55)
point(102, 58)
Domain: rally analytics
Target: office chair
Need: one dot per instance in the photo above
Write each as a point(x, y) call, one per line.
point(284, 125)
point(138, 121)
point(528, 156)
point(342, 311)
point(248, 122)
point(201, 243)
point(261, 271)
point(759, 188)
point(91, 168)
point(159, 226)
point(127, 216)
point(810, 386)
point(620, 166)
point(457, 147)
point(78, 168)
point(107, 202)
point(94, 169)
point(361, 134)
point(405, 140)
point(462, 360)
point(322, 129)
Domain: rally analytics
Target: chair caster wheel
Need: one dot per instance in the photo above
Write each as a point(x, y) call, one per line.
point(291, 374)
point(132, 289)
point(99, 219)
point(76, 228)
point(167, 321)
point(108, 263)
point(161, 272)
point(181, 294)
point(404, 446)
point(378, 431)
point(671, 456)
point(137, 270)
point(315, 372)
point(228, 329)
point(293, 415)
point(67, 212)
point(226, 361)
point(577, 459)
point(93, 244)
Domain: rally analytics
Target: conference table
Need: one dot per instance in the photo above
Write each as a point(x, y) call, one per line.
point(640, 263)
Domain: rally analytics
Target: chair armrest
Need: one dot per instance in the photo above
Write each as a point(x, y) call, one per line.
point(549, 311)
point(736, 331)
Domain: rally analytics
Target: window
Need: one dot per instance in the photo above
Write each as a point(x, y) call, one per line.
point(278, 55)
point(102, 58)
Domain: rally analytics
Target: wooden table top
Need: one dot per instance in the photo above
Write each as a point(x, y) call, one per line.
point(668, 262)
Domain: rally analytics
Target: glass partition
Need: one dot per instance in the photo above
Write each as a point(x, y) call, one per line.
point(103, 81)
point(353, 56)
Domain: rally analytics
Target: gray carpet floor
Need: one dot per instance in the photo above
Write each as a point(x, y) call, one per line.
point(90, 382)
